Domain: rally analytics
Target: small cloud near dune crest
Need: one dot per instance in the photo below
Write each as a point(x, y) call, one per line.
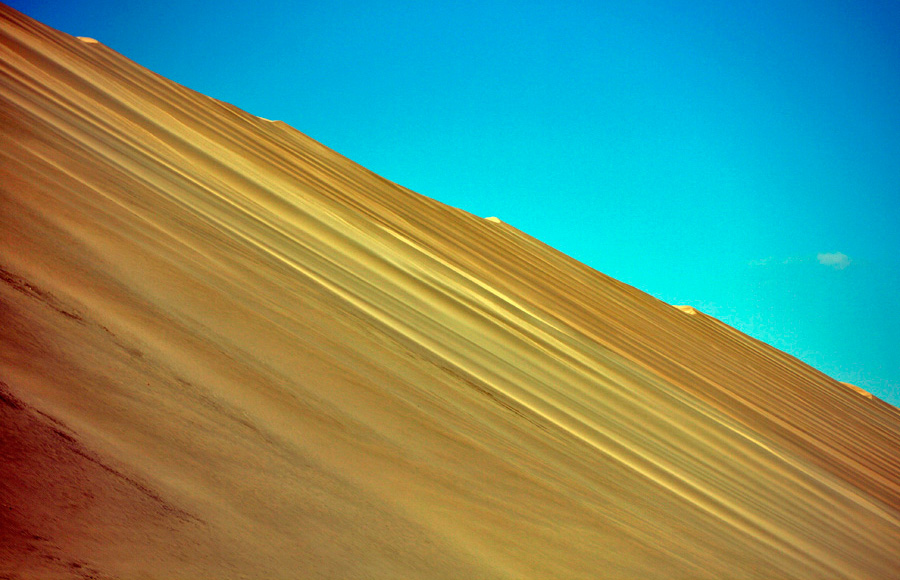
point(837, 260)
point(775, 261)
point(762, 261)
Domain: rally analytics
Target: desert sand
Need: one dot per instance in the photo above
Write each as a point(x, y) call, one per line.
point(227, 351)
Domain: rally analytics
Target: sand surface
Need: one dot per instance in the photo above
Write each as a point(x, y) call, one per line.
point(228, 352)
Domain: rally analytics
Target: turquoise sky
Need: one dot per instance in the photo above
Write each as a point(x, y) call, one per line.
point(741, 157)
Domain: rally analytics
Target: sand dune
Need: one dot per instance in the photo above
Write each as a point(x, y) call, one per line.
point(229, 352)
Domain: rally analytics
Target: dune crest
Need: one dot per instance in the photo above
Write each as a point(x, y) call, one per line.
point(858, 390)
point(227, 351)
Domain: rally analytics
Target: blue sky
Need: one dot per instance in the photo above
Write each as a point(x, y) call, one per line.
point(741, 157)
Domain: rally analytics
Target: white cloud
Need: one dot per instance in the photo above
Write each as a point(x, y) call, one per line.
point(762, 262)
point(837, 260)
point(776, 261)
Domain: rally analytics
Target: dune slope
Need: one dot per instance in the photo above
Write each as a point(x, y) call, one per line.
point(226, 351)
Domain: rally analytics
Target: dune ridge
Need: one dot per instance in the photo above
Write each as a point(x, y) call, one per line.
point(228, 351)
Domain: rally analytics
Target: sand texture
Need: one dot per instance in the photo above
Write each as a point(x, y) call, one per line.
point(227, 351)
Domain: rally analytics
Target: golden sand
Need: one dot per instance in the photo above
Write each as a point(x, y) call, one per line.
point(226, 351)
